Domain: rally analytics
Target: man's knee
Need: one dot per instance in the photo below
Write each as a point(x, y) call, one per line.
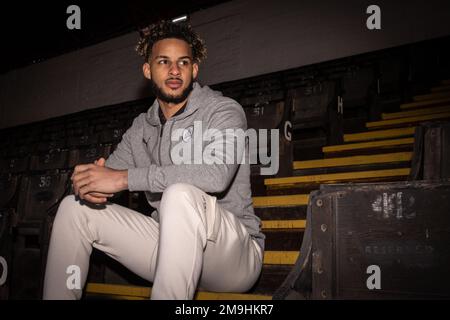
point(176, 196)
point(69, 203)
point(69, 208)
point(178, 192)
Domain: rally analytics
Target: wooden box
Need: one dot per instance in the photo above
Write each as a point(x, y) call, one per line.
point(389, 240)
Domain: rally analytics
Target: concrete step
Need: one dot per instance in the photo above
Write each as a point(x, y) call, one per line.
point(283, 224)
point(415, 112)
point(371, 145)
point(440, 88)
point(354, 160)
point(407, 121)
point(126, 292)
point(379, 134)
point(426, 103)
point(374, 175)
point(281, 201)
point(432, 96)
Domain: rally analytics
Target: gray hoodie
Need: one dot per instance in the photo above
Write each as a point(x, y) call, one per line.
point(145, 150)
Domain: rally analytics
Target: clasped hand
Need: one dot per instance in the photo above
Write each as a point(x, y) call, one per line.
point(96, 183)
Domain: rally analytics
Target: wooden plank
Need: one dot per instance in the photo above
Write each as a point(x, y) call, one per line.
point(379, 134)
point(368, 145)
point(431, 96)
point(354, 160)
point(440, 88)
point(116, 291)
point(283, 224)
point(281, 201)
point(336, 177)
point(280, 257)
point(406, 121)
point(426, 103)
point(415, 112)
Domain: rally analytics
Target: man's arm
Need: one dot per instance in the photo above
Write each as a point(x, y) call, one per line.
point(122, 157)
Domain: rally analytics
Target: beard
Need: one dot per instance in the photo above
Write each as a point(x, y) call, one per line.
point(167, 98)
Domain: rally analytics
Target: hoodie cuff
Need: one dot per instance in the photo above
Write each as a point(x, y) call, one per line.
point(138, 179)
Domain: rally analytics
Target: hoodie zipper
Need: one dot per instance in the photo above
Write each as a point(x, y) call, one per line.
point(170, 140)
point(159, 143)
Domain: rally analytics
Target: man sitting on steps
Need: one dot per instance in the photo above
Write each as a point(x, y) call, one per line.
point(204, 231)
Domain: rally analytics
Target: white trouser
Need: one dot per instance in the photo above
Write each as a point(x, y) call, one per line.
point(196, 243)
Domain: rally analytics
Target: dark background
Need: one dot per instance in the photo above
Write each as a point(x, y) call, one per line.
point(32, 31)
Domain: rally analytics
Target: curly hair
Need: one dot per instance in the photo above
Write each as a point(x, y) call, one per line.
point(167, 29)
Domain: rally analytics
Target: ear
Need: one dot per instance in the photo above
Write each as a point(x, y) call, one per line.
point(195, 70)
point(146, 70)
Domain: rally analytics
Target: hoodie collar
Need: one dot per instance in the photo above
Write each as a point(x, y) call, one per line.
point(193, 103)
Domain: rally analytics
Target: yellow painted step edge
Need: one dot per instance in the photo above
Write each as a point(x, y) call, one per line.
point(280, 201)
point(283, 224)
point(281, 257)
point(353, 160)
point(136, 293)
point(270, 258)
point(230, 296)
point(368, 145)
point(116, 289)
point(379, 134)
point(440, 88)
point(415, 112)
point(384, 123)
point(431, 96)
point(337, 177)
point(410, 105)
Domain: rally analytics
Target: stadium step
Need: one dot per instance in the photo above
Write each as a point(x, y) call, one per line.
point(127, 292)
point(426, 103)
point(374, 175)
point(353, 160)
point(440, 88)
point(371, 145)
point(284, 224)
point(379, 134)
point(407, 120)
point(415, 112)
point(280, 201)
point(431, 96)
point(280, 257)
point(276, 259)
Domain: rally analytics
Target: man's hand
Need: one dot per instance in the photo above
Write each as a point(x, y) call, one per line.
point(95, 182)
point(97, 197)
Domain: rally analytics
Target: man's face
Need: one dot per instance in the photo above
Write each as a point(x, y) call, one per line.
point(171, 70)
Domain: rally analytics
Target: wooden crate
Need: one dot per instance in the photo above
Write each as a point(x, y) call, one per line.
point(402, 228)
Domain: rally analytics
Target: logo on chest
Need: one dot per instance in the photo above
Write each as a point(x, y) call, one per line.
point(187, 133)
